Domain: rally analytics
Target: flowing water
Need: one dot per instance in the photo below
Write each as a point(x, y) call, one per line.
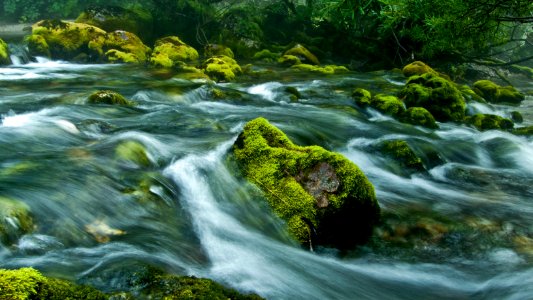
point(98, 216)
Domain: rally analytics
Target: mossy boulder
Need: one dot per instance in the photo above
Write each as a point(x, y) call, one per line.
point(111, 18)
point(400, 151)
point(134, 152)
point(419, 116)
point(325, 70)
point(362, 97)
point(524, 131)
point(28, 283)
point(64, 40)
point(289, 60)
point(417, 68)
point(388, 104)
point(517, 117)
point(492, 92)
point(221, 68)
point(4, 53)
point(436, 94)
point(127, 43)
point(303, 54)
point(488, 122)
point(315, 191)
point(216, 49)
point(266, 56)
point(108, 97)
point(15, 220)
point(170, 51)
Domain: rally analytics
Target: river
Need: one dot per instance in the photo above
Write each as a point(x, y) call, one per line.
point(97, 216)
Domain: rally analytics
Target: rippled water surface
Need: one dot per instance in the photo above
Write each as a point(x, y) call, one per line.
point(461, 229)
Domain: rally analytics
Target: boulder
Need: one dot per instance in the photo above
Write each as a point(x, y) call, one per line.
point(419, 116)
point(325, 70)
point(108, 97)
point(266, 56)
point(400, 151)
point(216, 49)
point(388, 104)
point(133, 152)
point(324, 197)
point(303, 54)
point(15, 220)
point(487, 122)
point(221, 68)
point(4, 53)
point(436, 94)
point(492, 92)
point(362, 97)
point(289, 60)
point(417, 68)
point(128, 46)
point(170, 51)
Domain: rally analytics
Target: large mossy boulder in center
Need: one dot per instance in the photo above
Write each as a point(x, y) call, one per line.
point(436, 94)
point(129, 47)
point(417, 68)
point(221, 68)
point(170, 51)
point(488, 121)
point(492, 92)
point(317, 192)
point(419, 116)
point(4, 53)
point(303, 54)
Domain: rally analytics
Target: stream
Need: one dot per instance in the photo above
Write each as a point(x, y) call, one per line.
point(99, 217)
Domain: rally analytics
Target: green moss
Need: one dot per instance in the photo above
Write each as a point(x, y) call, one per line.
point(221, 68)
point(303, 54)
point(170, 51)
point(37, 45)
point(289, 60)
point(525, 131)
point(470, 94)
point(417, 68)
point(516, 116)
point(326, 70)
point(267, 56)
point(28, 283)
point(216, 49)
point(402, 153)
point(109, 97)
point(488, 122)
point(293, 92)
point(436, 94)
point(116, 56)
point(122, 41)
point(524, 70)
point(388, 104)
point(492, 92)
point(4, 53)
point(362, 97)
point(134, 152)
point(15, 220)
point(308, 187)
point(419, 116)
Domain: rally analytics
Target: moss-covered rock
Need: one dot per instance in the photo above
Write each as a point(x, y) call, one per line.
point(325, 70)
point(417, 68)
point(170, 51)
point(488, 121)
point(362, 97)
point(130, 47)
point(111, 18)
point(303, 54)
point(216, 49)
point(15, 220)
point(221, 68)
point(517, 117)
point(293, 92)
point(525, 131)
point(388, 104)
point(4, 53)
point(289, 60)
point(315, 191)
point(436, 94)
point(266, 56)
point(419, 116)
point(470, 94)
point(492, 92)
point(134, 152)
point(64, 40)
point(109, 97)
point(400, 151)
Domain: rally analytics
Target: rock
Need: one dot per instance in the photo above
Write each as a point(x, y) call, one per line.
point(362, 97)
point(170, 51)
point(487, 122)
point(419, 116)
point(112, 18)
point(417, 68)
point(134, 152)
point(4, 54)
point(315, 191)
point(516, 116)
point(436, 94)
point(293, 92)
point(108, 97)
point(289, 60)
point(326, 70)
point(221, 68)
point(127, 44)
point(15, 220)
point(492, 92)
point(400, 151)
point(303, 54)
point(267, 56)
point(387, 104)
point(215, 49)
point(102, 232)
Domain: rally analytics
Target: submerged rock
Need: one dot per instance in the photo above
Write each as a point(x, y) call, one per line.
point(417, 68)
point(15, 220)
point(526, 131)
point(419, 116)
point(303, 54)
point(320, 194)
point(221, 68)
point(489, 121)
point(134, 152)
point(109, 97)
point(517, 117)
point(4, 53)
point(400, 151)
point(170, 51)
point(492, 92)
point(436, 94)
